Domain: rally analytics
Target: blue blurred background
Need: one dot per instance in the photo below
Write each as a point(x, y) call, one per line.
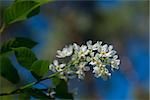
point(119, 22)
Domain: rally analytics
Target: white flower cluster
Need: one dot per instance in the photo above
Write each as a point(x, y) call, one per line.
point(100, 58)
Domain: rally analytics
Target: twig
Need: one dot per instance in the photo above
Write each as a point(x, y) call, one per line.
point(28, 85)
point(2, 28)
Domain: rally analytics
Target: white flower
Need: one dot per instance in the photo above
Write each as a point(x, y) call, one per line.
point(103, 50)
point(101, 71)
point(82, 65)
point(97, 45)
point(51, 94)
point(76, 47)
point(81, 68)
point(110, 47)
point(95, 60)
point(56, 67)
point(89, 44)
point(80, 74)
point(81, 51)
point(97, 56)
point(67, 51)
point(115, 62)
point(110, 52)
point(106, 51)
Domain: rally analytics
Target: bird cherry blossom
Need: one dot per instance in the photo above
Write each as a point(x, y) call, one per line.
point(98, 57)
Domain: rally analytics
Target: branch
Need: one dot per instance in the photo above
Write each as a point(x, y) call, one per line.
point(19, 90)
point(2, 28)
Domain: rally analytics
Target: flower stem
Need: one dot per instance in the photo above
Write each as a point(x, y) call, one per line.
point(2, 28)
point(16, 91)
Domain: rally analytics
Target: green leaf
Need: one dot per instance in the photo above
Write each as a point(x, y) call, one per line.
point(15, 43)
point(21, 10)
point(8, 71)
point(39, 68)
point(56, 80)
point(25, 57)
point(62, 90)
point(34, 12)
point(24, 96)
